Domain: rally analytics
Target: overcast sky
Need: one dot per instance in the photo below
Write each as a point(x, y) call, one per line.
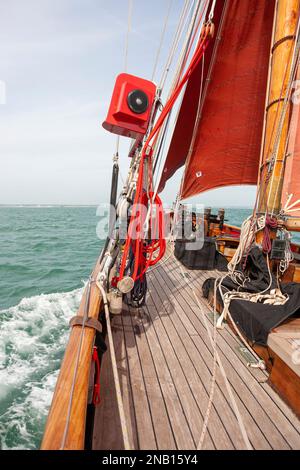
point(59, 60)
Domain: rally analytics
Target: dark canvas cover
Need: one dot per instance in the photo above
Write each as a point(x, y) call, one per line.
point(256, 320)
point(207, 258)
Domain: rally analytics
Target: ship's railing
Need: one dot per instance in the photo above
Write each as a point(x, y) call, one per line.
point(65, 427)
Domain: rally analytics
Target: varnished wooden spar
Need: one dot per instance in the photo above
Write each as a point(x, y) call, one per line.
point(281, 60)
point(292, 224)
point(56, 422)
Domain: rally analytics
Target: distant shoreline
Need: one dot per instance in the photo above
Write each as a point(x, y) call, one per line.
point(45, 206)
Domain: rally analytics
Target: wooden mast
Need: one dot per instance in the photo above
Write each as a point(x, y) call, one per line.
point(286, 17)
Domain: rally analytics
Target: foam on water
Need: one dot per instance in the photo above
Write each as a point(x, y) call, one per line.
point(33, 336)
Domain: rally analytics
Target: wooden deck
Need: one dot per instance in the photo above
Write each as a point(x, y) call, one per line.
point(165, 364)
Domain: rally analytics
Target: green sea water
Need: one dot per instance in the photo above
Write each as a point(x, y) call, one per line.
point(46, 255)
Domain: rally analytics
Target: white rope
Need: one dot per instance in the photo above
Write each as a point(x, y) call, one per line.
point(198, 11)
point(213, 378)
point(247, 236)
point(214, 369)
point(181, 25)
point(212, 10)
point(291, 207)
point(115, 370)
point(228, 387)
point(203, 93)
point(260, 364)
point(195, 128)
point(288, 254)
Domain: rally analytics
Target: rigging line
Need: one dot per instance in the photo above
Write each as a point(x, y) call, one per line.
point(195, 27)
point(263, 178)
point(147, 151)
point(191, 34)
point(266, 105)
point(227, 384)
point(160, 151)
point(115, 371)
point(162, 133)
point(178, 74)
point(162, 36)
point(208, 81)
point(196, 124)
point(183, 57)
point(181, 25)
point(214, 373)
point(212, 10)
point(129, 22)
point(294, 65)
point(282, 167)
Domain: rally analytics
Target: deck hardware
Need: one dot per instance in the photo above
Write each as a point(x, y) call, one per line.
point(246, 354)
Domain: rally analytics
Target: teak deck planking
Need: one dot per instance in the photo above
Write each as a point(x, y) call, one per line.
point(165, 365)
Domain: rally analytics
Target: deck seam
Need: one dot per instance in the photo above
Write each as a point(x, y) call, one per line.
point(266, 390)
point(179, 396)
point(199, 376)
point(269, 391)
point(221, 391)
point(283, 416)
point(142, 369)
point(181, 366)
point(130, 384)
point(249, 390)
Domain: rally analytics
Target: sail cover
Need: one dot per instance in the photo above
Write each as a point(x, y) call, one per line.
point(227, 137)
point(291, 183)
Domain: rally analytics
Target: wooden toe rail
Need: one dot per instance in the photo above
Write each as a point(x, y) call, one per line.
point(56, 423)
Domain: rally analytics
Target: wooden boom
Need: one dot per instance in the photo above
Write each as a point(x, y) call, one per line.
point(57, 417)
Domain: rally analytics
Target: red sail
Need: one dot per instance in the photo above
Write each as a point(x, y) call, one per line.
point(226, 144)
point(291, 184)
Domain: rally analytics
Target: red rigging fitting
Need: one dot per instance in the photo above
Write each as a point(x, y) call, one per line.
point(130, 107)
